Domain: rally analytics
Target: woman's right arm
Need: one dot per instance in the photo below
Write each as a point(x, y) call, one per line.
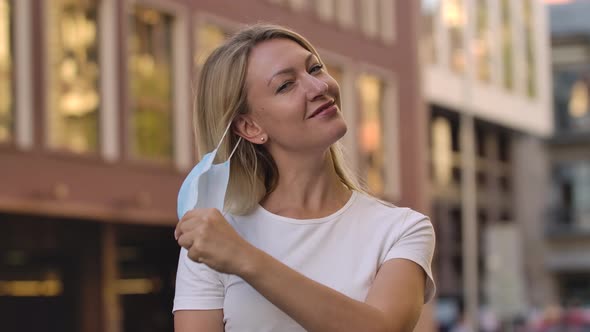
point(198, 321)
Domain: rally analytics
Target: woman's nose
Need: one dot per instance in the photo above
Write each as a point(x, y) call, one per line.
point(316, 87)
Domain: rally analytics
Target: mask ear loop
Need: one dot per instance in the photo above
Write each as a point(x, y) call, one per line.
point(223, 136)
point(221, 141)
point(235, 148)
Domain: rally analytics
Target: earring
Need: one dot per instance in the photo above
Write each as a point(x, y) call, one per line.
point(262, 138)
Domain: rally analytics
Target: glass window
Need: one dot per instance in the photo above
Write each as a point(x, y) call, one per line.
point(325, 9)
point(578, 105)
point(572, 98)
point(529, 25)
point(430, 10)
point(51, 271)
point(574, 290)
point(73, 74)
point(482, 46)
point(507, 55)
point(370, 17)
point(150, 79)
point(572, 185)
point(346, 13)
point(6, 71)
point(387, 19)
point(209, 37)
point(146, 277)
point(442, 150)
point(372, 163)
point(454, 19)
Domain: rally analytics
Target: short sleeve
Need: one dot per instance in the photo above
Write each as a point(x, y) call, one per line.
point(416, 242)
point(198, 287)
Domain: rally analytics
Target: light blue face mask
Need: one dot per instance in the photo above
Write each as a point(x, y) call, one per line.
point(206, 184)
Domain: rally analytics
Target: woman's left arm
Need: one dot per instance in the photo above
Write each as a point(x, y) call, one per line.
point(393, 303)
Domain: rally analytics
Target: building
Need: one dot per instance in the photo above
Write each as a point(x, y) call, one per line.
point(568, 223)
point(95, 139)
point(487, 83)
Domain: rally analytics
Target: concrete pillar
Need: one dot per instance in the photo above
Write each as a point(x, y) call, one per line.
point(531, 174)
point(469, 220)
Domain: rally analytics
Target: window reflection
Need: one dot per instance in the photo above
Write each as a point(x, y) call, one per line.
point(150, 79)
point(325, 9)
point(454, 19)
point(482, 47)
point(6, 71)
point(369, 15)
point(572, 187)
point(73, 75)
point(578, 105)
point(371, 132)
point(345, 13)
point(209, 37)
point(530, 48)
point(507, 55)
point(442, 151)
point(572, 98)
point(430, 9)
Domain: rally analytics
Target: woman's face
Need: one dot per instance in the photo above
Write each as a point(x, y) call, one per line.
point(292, 98)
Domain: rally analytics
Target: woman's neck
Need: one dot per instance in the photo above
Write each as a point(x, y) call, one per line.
point(307, 188)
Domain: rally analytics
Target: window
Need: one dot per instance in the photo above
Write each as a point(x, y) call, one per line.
point(572, 183)
point(430, 10)
point(507, 49)
point(146, 277)
point(571, 86)
point(209, 37)
point(325, 9)
point(372, 163)
point(387, 18)
point(574, 289)
point(442, 150)
point(453, 13)
point(579, 105)
point(345, 13)
point(482, 46)
point(529, 25)
point(6, 72)
point(73, 74)
point(370, 17)
point(150, 80)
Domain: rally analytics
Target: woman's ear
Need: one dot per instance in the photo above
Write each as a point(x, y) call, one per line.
point(248, 129)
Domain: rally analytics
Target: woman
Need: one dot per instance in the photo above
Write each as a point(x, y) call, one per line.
point(301, 247)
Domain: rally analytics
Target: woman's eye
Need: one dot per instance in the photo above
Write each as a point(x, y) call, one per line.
point(284, 86)
point(316, 68)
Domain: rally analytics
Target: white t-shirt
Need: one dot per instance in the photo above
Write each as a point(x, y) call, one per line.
point(343, 251)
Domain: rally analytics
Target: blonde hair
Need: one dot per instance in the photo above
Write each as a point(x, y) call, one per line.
point(221, 96)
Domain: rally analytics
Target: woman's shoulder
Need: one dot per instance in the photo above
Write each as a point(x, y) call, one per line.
point(376, 208)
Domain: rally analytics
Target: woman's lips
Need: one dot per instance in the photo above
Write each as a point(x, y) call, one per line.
point(323, 110)
point(326, 111)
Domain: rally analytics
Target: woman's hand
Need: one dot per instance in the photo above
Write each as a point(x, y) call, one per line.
point(211, 240)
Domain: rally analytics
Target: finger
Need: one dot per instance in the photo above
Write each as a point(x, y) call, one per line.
point(186, 241)
point(188, 214)
point(195, 255)
point(177, 231)
point(186, 226)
